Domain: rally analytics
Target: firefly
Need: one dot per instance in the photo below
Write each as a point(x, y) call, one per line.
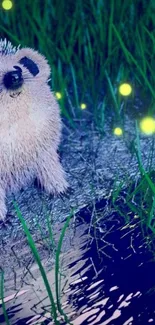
point(83, 106)
point(7, 4)
point(118, 131)
point(58, 95)
point(125, 89)
point(147, 125)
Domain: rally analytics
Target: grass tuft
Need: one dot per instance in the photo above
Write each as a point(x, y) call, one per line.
point(38, 260)
point(54, 306)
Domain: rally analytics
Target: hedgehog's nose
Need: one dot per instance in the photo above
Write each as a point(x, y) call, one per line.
point(13, 80)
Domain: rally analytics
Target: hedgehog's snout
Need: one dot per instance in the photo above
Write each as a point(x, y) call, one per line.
point(13, 79)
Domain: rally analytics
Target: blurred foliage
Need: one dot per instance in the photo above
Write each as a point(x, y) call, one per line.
point(92, 47)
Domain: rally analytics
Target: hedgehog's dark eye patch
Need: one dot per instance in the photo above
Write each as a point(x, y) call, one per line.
point(30, 65)
point(17, 68)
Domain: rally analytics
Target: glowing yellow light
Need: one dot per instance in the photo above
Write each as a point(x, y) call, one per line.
point(125, 89)
point(83, 106)
point(147, 125)
point(7, 4)
point(58, 95)
point(118, 131)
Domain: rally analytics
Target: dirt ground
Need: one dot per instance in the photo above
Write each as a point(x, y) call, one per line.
point(92, 164)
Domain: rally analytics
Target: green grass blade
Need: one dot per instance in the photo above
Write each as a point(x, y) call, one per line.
point(75, 85)
point(112, 91)
point(57, 264)
point(2, 297)
point(151, 215)
point(110, 30)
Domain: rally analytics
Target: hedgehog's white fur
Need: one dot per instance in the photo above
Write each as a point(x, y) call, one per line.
point(30, 129)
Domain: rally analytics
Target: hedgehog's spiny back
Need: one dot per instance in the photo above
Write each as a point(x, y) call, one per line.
point(6, 47)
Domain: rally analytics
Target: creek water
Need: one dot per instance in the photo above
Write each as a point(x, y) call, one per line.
point(109, 276)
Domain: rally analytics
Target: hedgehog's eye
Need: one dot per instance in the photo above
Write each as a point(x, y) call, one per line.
point(17, 68)
point(30, 65)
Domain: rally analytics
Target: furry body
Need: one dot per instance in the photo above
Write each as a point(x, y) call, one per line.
point(30, 128)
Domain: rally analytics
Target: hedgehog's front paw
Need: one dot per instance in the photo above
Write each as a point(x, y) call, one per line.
point(56, 187)
point(63, 187)
point(52, 177)
point(58, 190)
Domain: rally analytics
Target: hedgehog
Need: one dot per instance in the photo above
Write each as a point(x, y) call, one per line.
point(30, 125)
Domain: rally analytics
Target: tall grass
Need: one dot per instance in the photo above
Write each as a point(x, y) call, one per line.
point(86, 41)
point(138, 197)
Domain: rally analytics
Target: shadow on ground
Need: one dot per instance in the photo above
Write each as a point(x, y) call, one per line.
point(107, 275)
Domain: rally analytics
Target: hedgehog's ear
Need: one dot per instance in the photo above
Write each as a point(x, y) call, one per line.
point(34, 62)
